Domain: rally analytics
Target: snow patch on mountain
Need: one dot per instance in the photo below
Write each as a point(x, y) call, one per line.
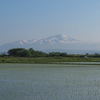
point(29, 41)
point(58, 39)
point(21, 42)
point(61, 38)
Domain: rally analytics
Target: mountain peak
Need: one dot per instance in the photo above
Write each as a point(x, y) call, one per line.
point(61, 38)
point(49, 42)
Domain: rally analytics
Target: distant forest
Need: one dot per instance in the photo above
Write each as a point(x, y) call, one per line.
point(22, 52)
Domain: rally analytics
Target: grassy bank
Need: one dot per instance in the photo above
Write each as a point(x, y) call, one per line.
point(46, 59)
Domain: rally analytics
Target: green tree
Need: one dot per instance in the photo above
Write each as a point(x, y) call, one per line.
point(64, 54)
point(52, 54)
point(13, 52)
point(26, 53)
point(32, 52)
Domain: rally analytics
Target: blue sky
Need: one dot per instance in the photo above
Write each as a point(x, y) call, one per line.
point(35, 19)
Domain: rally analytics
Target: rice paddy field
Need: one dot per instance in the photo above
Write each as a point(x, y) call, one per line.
point(49, 82)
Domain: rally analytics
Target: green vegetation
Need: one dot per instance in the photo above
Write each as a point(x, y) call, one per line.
point(21, 55)
point(22, 52)
point(46, 59)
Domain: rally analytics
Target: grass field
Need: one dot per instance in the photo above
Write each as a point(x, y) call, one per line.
point(45, 60)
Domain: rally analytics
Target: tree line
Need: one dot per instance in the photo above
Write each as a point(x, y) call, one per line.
point(22, 52)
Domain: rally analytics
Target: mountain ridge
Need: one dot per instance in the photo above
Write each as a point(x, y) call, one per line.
point(61, 38)
point(60, 41)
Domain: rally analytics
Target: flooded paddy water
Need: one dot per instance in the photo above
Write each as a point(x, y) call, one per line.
point(49, 82)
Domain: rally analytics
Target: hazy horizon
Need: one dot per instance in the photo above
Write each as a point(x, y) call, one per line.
point(52, 36)
point(34, 19)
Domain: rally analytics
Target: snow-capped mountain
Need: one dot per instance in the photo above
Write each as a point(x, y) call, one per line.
point(58, 39)
point(21, 42)
point(52, 42)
